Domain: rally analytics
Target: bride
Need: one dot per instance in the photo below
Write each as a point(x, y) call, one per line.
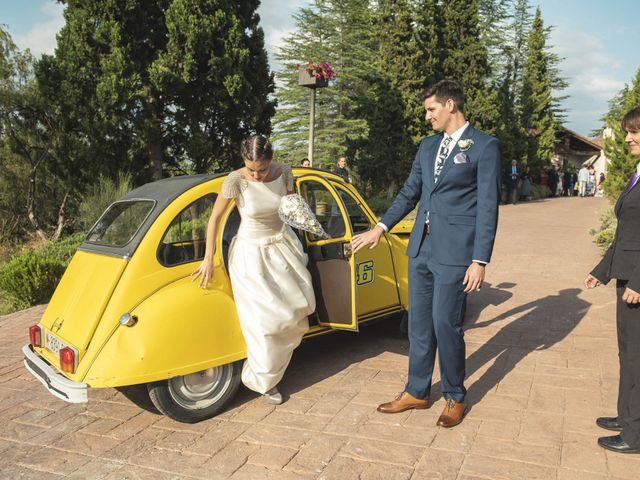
point(271, 284)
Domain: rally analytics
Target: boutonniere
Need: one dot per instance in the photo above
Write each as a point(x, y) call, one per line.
point(465, 144)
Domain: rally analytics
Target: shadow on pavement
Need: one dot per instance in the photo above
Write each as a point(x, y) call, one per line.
point(319, 358)
point(542, 324)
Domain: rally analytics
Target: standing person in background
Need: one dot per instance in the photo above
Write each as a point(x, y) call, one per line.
point(525, 182)
point(583, 180)
point(513, 177)
point(305, 162)
point(622, 262)
point(341, 168)
point(592, 181)
point(553, 180)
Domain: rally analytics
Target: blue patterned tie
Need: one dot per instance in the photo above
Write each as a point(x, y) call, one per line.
point(442, 156)
point(633, 181)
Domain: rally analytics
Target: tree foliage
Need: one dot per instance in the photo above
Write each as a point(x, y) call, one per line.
point(623, 164)
point(162, 84)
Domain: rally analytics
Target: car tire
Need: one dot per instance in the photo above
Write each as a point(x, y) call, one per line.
point(197, 396)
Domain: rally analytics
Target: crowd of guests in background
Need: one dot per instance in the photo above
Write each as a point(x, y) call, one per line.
point(561, 183)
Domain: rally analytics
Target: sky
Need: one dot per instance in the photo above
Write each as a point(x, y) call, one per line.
point(597, 40)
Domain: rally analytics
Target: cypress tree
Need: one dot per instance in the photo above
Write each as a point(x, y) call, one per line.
point(162, 84)
point(538, 111)
point(467, 61)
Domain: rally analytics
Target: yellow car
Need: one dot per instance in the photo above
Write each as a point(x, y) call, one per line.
point(126, 311)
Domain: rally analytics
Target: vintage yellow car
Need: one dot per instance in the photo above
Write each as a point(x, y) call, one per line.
point(126, 311)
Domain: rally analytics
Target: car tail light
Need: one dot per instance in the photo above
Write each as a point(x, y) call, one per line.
point(35, 335)
point(67, 360)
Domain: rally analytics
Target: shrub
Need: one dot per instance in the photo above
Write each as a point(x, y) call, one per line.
point(603, 236)
point(31, 278)
point(539, 191)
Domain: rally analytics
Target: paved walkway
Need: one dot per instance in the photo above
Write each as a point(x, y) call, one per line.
point(542, 365)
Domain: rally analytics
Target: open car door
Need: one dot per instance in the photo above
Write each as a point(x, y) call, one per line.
point(331, 261)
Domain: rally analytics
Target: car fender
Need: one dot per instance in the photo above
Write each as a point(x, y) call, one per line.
point(180, 329)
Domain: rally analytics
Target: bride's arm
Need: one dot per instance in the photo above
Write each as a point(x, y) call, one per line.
point(205, 270)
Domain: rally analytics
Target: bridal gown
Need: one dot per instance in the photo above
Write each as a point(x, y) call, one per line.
point(271, 283)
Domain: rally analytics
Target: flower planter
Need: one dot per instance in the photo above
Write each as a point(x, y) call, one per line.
point(306, 80)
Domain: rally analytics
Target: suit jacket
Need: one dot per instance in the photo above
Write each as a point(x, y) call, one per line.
point(462, 205)
point(622, 259)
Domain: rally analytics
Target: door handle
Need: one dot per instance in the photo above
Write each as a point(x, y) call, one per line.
point(347, 250)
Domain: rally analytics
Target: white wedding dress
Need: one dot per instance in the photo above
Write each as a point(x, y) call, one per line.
point(271, 283)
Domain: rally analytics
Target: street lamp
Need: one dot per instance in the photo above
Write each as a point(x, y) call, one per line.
point(313, 76)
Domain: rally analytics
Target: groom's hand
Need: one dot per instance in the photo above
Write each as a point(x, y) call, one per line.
point(371, 238)
point(630, 296)
point(474, 277)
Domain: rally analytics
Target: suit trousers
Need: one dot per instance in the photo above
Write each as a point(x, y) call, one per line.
point(436, 295)
point(628, 320)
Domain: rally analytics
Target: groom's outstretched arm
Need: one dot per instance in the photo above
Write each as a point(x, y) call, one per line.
point(488, 201)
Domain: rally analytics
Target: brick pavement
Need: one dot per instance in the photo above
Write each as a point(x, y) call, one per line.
point(542, 365)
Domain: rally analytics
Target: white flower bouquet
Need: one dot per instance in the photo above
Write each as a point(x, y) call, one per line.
point(295, 212)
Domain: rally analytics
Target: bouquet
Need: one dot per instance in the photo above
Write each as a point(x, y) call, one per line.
point(295, 212)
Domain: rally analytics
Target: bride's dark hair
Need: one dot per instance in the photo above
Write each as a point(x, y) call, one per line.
point(256, 148)
point(631, 121)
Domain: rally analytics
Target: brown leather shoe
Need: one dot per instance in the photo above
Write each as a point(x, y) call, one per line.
point(452, 414)
point(404, 401)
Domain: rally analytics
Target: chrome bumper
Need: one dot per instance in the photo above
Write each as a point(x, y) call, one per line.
point(57, 384)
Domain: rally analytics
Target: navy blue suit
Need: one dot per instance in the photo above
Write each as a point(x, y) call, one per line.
point(462, 208)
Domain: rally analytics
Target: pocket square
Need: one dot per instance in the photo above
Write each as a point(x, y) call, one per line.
point(461, 158)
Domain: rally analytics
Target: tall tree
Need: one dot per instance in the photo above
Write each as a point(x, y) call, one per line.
point(467, 61)
point(539, 111)
point(337, 32)
point(622, 163)
point(146, 84)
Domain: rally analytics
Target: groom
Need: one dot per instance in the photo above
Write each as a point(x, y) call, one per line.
point(456, 179)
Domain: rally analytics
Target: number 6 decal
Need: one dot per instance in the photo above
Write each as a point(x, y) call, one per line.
point(364, 272)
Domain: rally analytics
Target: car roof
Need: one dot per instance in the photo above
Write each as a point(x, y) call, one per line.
point(162, 193)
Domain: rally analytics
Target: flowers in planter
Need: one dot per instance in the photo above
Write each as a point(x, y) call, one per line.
point(320, 71)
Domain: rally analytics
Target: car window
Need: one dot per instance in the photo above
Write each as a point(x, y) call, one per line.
point(185, 239)
point(359, 220)
point(119, 224)
point(325, 207)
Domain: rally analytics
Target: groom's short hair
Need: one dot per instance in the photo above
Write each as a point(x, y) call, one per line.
point(445, 90)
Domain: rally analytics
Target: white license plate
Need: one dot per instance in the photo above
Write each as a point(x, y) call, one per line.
point(53, 343)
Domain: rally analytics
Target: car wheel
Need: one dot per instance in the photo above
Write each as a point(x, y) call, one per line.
point(197, 396)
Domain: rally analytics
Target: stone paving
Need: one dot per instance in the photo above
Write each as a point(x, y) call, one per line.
point(542, 365)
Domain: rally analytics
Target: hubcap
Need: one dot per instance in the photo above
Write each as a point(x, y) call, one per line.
point(201, 389)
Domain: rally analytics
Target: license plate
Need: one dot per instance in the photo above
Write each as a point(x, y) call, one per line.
point(53, 343)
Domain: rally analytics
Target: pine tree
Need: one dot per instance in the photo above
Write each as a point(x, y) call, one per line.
point(144, 85)
point(622, 163)
point(538, 105)
point(336, 32)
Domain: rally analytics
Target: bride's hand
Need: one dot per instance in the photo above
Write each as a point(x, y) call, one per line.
point(205, 272)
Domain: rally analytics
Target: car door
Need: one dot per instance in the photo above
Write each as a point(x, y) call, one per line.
point(331, 261)
point(376, 286)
